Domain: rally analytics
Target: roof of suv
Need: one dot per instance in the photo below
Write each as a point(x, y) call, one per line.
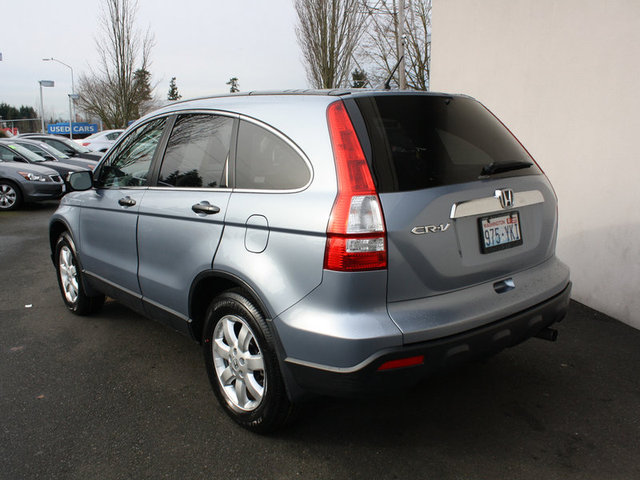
point(335, 92)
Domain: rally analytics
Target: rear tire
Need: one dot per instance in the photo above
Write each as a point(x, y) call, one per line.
point(241, 361)
point(10, 196)
point(70, 279)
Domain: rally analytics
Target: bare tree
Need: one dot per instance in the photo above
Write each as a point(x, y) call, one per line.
point(379, 49)
point(120, 90)
point(328, 32)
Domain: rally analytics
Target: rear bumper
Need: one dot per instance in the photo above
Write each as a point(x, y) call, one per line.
point(438, 353)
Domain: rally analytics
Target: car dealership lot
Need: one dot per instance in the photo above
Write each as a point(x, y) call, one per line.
point(120, 396)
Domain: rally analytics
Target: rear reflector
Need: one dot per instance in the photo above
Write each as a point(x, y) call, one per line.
point(402, 362)
point(356, 237)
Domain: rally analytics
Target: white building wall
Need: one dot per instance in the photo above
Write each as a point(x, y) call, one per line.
point(564, 76)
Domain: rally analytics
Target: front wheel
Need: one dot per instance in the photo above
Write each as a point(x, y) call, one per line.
point(70, 279)
point(242, 365)
point(10, 196)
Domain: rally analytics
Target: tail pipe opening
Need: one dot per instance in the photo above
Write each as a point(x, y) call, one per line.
point(550, 334)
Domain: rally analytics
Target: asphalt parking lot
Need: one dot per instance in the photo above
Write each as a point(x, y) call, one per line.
point(119, 396)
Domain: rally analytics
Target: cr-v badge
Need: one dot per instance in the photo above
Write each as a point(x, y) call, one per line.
point(421, 230)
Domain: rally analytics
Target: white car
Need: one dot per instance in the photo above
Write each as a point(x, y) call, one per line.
point(101, 141)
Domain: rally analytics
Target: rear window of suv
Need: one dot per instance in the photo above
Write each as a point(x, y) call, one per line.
point(422, 141)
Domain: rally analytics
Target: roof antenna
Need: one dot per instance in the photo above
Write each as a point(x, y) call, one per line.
point(387, 82)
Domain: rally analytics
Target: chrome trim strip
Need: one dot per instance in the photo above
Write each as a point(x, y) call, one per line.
point(191, 189)
point(167, 309)
point(481, 206)
point(138, 296)
point(329, 368)
point(114, 285)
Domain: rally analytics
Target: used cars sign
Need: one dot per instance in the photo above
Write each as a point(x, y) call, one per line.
point(78, 128)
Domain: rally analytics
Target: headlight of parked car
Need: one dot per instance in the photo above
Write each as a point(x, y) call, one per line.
point(34, 177)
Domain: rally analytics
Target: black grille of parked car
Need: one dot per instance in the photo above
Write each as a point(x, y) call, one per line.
point(55, 178)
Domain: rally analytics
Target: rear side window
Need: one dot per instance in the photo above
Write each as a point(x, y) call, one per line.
point(197, 155)
point(427, 141)
point(265, 161)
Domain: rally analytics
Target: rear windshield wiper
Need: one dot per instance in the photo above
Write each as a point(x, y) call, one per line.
point(496, 167)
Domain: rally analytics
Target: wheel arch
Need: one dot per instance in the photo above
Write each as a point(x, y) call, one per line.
point(208, 285)
point(56, 228)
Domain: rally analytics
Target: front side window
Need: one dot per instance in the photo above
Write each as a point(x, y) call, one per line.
point(129, 165)
point(197, 153)
point(265, 161)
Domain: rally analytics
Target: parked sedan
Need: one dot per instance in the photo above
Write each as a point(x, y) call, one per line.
point(20, 183)
point(101, 141)
point(63, 144)
point(11, 151)
point(50, 153)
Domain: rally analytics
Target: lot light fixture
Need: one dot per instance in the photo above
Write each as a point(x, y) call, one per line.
point(72, 95)
point(43, 83)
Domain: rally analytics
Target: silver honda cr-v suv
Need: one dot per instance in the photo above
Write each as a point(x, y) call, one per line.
point(333, 242)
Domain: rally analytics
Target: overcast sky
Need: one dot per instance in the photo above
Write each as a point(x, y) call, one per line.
point(201, 42)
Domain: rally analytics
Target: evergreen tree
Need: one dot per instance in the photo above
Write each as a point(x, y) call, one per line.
point(8, 112)
point(359, 78)
point(173, 94)
point(142, 90)
point(235, 86)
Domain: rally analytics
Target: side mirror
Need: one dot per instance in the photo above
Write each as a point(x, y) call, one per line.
point(71, 153)
point(80, 181)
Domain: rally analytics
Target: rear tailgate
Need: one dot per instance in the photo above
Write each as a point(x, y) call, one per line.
point(441, 164)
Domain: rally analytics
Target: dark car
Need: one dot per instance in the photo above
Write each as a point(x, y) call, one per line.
point(63, 144)
point(11, 151)
point(21, 182)
point(51, 153)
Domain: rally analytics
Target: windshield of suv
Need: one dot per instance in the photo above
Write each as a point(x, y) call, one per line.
point(28, 154)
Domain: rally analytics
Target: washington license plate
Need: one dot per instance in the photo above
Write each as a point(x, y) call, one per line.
point(499, 232)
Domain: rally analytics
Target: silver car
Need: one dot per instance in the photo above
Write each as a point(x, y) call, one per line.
point(328, 242)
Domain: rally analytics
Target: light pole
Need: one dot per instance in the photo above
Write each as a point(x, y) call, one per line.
point(43, 83)
point(71, 97)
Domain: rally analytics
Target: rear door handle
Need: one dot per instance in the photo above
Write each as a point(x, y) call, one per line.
point(127, 201)
point(205, 207)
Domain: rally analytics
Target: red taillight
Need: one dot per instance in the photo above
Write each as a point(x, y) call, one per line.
point(84, 144)
point(402, 362)
point(356, 238)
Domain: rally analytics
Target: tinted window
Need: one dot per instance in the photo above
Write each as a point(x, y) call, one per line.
point(59, 146)
point(265, 161)
point(426, 141)
point(198, 152)
point(129, 165)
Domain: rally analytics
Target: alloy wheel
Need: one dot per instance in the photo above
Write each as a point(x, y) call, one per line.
point(7, 196)
point(68, 274)
point(239, 363)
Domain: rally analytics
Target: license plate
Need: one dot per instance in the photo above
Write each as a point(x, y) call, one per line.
point(499, 232)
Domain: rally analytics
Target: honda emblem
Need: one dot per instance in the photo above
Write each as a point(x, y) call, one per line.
point(505, 195)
